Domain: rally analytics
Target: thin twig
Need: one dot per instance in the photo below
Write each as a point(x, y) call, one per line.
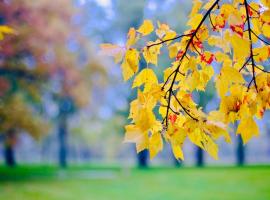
point(251, 47)
point(167, 40)
point(261, 39)
point(184, 109)
point(263, 70)
point(185, 52)
point(245, 64)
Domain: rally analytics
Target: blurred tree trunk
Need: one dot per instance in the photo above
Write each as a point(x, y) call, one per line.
point(62, 134)
point(199, 157)
point(240, 152)
point(142, 158)
point(240, 149)
point(177, 163)
point(204, 99)
point(9, 154)
point(66, 108)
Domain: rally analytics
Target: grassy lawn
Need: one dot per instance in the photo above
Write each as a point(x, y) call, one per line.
point(48, 183)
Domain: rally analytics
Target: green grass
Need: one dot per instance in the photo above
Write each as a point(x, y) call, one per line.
point(83, 183)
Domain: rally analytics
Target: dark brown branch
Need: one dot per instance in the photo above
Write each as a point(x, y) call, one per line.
point(167, 40)
point(177, 113)
point(254, 9)
point(184, 109)
point(196, 49)
point(245, 64)
point(251, 47)
point(181, 73)
point(249, 84)
point(184, 54)
point(263, 70)
point(168, 78)
point(211, 21)
point(162, 88)
point(261, 39)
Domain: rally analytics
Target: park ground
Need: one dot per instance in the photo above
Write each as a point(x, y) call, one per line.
point(103, 183)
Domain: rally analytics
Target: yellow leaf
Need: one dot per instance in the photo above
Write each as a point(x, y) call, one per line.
point(217, 129)
point(6, 29)
point(132, 39)
point(177, 152)
point(141, 111)
point(151, 53)
point(135, 135)
point(193, 80)
point(226, 9)
point(146, 119)
point(147, 77)
point(210, 147)
point(262, 53)
point(228, 75)
point(208, 5)
point(232, 74)
point(247, 128)
point(162, 29)
point(266, 3)
point(221, 86)
point(240, 47)
point(195, 20)
point(266, 16)
point(173, 51)
point(130, 64)
point(112, 50)
point(155, 144)
point(196, 137)
point(221, 42)
point(235, 18)
point(204, 141)
point(266, 30)
point(146, 28)
point(169, 35)
point(196, 6)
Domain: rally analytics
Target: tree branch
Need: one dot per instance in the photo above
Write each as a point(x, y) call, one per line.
point(251, 48)
point(167, 40)
point(184, 109)
point(184, 54)
point(261, 39)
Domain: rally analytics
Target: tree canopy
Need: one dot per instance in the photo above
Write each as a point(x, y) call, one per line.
point(38, 55)
point(226, 43)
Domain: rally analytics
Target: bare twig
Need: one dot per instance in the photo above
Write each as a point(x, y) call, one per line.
point(251, 47)
point(190, 41)
point(261, 39)
point(167, 40)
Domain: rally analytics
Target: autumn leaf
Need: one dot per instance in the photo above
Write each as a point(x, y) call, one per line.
point(130, 64)
point(113, 50)
point(135, 135)
point(177, 152)
point(155, 144)
point(5, 30)
point(228, 75)
point(147, 77)
point(146, 28)
point(247, 129)
point(151, 53)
